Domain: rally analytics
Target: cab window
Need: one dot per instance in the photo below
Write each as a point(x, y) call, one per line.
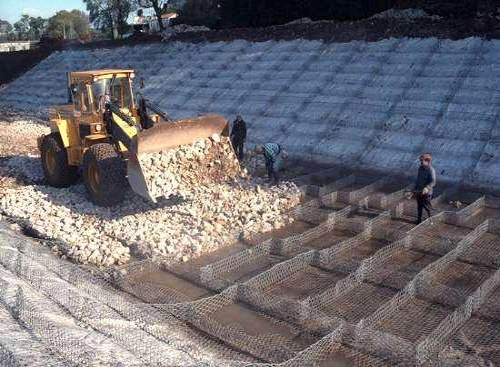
point(81, 97)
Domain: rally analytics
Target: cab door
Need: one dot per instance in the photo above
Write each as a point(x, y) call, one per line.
point(82, 110)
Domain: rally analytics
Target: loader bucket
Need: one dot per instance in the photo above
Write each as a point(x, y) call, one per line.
point(165, 136)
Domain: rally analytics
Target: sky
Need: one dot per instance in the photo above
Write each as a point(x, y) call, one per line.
point(11, 10)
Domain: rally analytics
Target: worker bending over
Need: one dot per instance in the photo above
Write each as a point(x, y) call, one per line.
point(239, 136)
point(273, 154)
point(426, 180)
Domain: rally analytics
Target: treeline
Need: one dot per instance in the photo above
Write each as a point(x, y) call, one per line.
point(63, 25)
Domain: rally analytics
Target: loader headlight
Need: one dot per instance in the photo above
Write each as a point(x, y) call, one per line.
point(98, 127)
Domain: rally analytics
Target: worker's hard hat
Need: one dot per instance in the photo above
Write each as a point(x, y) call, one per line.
point(426, 157)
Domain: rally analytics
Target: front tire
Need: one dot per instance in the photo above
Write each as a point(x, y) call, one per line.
point(104, 172)
point(57, 171)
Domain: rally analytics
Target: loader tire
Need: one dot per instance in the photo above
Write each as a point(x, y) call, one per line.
point(57, 171)
point(104, 173)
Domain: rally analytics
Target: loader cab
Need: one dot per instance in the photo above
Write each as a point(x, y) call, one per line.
point(117, 90)
point(91, 90)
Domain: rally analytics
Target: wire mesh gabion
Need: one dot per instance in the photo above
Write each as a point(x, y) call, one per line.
point(385, 293)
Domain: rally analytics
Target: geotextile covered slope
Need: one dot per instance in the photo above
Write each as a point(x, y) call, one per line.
point(369, 105)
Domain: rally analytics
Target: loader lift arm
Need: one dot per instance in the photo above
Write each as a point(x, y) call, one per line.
point(108, 131)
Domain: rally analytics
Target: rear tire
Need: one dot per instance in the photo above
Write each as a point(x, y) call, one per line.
point(57, 171)
point(104, 172)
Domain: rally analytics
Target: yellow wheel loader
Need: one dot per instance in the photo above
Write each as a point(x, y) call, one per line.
point(102, 132)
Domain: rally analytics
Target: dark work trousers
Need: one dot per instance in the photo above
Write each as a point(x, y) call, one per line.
point(238, 148)
point(423, 202)
point(272, 173)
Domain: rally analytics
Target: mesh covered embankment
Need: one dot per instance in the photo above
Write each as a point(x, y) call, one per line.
point(376, 105)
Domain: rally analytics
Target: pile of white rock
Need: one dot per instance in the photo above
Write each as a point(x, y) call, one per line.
point(405, 14)
point(50, 215)
point(178, 171)
point(182, 28)
point(211, 207)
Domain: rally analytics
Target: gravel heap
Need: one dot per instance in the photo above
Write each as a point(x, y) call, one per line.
point(178, 171)
point(18, 150)
point(182, 28)
point(254, 164)
point(405, 14)
point(199, 218)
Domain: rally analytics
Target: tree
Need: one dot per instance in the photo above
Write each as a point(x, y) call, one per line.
point(5, 29)
point(81, 23)
point(22, 27)
point(202, 12)
point(157, 5)
point(28, 28)
point(68, 25)
point(37, 26)
point(109, 15)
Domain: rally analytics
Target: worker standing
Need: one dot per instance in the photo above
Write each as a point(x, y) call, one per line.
point(239, 136)
point(273, 154)
point(424, 186)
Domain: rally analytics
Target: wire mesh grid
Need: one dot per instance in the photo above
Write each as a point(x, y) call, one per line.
point(337, 349)
point(74, 351)
point(211, 314)
point(18, 347)
point(478, 337)
point(408, 208)
point(355, 196)
point(246, 329)
point(459, 322)
point(348, 259)
point(439, 239)
point(452, 286)
point(484, 252)
point(157, 322)
point(402, 322)
point(91, 312)
point(384, 197)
